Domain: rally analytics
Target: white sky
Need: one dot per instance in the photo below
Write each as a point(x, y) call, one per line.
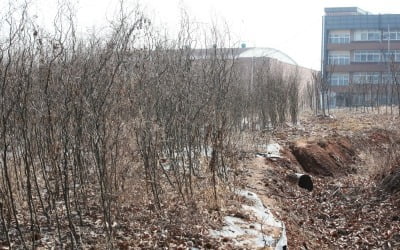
point(292, 26)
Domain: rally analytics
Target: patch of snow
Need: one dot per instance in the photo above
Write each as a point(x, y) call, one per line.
point(263, 214)
point(241, 233)
point(166, 167)
point(232, 228)
point(245, 123)
point(246, 233)
point(206, 152)
point(273, 151)
point(282, 240)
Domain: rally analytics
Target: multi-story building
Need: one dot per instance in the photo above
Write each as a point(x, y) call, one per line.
point(360, 56)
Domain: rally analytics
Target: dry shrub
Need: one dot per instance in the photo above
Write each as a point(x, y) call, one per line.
point(388, 175)
point(388, 178)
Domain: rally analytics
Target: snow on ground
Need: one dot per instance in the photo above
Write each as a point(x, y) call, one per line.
point(252, 233)
point(273, 151)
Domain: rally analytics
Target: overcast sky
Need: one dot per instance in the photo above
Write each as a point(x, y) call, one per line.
point(292, 26)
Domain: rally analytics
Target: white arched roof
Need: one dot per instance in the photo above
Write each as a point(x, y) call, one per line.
point(267, 52)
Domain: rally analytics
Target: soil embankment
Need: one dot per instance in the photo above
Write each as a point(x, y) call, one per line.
point(325, 157)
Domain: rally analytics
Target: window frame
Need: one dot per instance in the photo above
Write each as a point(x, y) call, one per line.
point(388, 34)
point(339, 38)
point(367, 35)
point(366, 78)
point(396, 54)
point(338, 59)
point(367, 56)
point(339, 79)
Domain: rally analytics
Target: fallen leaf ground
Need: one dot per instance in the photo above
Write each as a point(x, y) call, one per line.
point(346, 211)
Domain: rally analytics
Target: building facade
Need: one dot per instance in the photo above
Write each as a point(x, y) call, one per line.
point(360, 56)
point(252, 59)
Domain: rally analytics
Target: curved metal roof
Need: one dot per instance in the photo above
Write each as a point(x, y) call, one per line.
point(267, 52)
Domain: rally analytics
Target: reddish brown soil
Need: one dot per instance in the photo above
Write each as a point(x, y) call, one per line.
point(325, 157)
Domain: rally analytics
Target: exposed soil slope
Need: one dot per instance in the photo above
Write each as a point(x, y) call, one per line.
point(325, 157)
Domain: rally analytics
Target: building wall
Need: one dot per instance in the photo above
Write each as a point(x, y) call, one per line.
point(359, 48)
point(249, 67)
point(249, 61)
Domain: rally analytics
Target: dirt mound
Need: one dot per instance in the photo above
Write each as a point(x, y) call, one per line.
point(332, 156)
